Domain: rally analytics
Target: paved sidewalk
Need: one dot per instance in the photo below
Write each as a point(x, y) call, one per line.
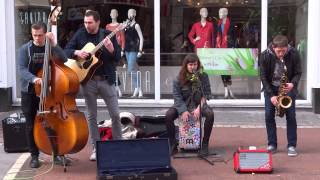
point(225, 141)
point(233, 128)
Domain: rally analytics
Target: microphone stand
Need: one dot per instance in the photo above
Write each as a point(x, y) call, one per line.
point(203, 157)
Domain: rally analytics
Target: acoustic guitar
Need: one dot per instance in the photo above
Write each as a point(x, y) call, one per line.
point(85, 68)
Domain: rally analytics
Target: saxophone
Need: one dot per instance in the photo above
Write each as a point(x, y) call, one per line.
point(284, 101)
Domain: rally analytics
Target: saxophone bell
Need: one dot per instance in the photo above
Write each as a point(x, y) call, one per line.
point(285, 101)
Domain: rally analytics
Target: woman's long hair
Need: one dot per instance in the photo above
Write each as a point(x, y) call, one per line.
point(190, 58)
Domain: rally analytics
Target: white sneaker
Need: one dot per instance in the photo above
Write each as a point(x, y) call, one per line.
point(135, 92)
point(272, 149)
point(292, 151)
point(140, 93)
point(119, 91)
point(231, 94)
point(226, 95)
point(93, 156)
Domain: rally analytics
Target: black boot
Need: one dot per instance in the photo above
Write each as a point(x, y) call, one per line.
point(34, 163)
point(204, 151)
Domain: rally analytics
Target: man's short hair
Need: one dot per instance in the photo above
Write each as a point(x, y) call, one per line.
point(39, 25)
point(94, 14)
point(280, 41)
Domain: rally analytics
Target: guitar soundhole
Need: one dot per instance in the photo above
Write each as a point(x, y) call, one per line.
point(87, 63)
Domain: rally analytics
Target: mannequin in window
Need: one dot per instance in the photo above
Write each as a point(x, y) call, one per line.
point(133, 50)
point(119, 36)
point(225, 39)
point(201, 33)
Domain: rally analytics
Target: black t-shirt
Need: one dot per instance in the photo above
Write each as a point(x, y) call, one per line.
point(36, 64)
point(277, 74)
point(132, 39)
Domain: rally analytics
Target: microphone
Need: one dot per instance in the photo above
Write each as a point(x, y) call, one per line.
point(195, 75)
point(194, 71)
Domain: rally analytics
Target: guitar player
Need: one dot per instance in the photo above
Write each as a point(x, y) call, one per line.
point(103, 79)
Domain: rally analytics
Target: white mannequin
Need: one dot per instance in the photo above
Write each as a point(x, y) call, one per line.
point(203, 21)
point(201, 33)
point(114, 22)
point(120, 37)
point(132, 15)
point(132, 65)
point(223, 13)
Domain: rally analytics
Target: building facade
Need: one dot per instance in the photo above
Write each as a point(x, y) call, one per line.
point(165, 26)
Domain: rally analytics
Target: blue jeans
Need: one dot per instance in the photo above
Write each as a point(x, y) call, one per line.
point(271, 123)
point(132, 70)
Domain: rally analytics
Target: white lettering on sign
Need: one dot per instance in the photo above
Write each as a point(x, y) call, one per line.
point(32, 17)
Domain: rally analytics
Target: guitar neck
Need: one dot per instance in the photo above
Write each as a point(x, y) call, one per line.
point(101, 42)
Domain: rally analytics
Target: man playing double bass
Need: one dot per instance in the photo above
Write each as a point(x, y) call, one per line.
point(103, 80)
point(30, 59)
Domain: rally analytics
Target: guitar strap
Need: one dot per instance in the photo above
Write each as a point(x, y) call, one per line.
point(101, 35)
point(100, 38)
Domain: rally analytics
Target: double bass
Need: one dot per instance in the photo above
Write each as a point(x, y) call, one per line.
point(59, 128)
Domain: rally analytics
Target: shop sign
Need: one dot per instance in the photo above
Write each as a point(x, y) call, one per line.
point(229, 61)
point(30, 16)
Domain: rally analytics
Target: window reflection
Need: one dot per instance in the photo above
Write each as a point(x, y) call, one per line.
point(290, 18)
point(26, 13)
point(177, 19)
point(140, 73)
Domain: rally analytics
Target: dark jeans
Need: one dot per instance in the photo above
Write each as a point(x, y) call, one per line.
point(172, 114)
point(29, 106)
point(271, 123)
point(226, 80)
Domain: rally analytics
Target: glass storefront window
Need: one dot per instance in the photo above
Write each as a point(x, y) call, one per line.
point(26, 13)
point(290, 18)
point(177, 19)
point(72, 19)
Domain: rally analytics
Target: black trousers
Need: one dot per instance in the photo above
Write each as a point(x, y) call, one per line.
point(172, 114)
point(226, 80)
point(29, 106)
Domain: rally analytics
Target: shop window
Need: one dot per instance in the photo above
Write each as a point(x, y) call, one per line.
point(290, 18)
point(177, 20)
point(26, 13)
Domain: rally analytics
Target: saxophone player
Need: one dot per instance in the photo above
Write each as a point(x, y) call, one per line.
point(279, 59)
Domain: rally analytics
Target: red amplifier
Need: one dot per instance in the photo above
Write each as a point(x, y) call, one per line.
point(255, 160)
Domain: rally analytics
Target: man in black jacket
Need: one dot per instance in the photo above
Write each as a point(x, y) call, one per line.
point(273, 62)
point(103, 80)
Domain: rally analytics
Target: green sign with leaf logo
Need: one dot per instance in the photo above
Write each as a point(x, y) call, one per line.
point(229, 61)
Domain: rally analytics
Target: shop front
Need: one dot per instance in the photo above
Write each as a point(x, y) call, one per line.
point(168, 36)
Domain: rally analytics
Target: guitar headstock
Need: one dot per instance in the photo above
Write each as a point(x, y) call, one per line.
point(124, 25)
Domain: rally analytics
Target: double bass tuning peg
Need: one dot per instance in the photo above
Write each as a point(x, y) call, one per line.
point(54, 2)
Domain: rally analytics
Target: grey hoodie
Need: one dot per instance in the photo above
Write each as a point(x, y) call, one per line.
point(24, 60)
